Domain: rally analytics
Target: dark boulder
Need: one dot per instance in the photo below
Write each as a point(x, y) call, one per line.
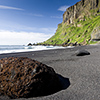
point(82, 53)
point(30, 44)
point(24, 77)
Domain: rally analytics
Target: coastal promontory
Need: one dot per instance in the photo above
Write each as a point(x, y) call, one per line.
point(80, 25)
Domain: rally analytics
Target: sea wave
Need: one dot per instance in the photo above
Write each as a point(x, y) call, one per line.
point(15, 49)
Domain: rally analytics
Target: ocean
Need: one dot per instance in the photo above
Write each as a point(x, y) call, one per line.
point(23, 48)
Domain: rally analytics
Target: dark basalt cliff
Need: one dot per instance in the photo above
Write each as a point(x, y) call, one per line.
point(80, 25)
point(79, 10)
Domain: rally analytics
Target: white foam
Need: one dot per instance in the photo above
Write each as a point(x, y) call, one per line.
point(70, 46)
point(31, 48)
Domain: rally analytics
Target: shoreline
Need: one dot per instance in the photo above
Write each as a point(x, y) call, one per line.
point(12, 49)
point(83, 72)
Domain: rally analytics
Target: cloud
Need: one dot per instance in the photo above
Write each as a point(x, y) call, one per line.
point(18, 27)
point(59, 17)
point(21, 38)
point(48, 30)
point(63, 8)
point(36, 15)
point(9, 7)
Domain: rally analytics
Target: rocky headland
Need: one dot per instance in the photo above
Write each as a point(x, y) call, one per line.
point(80, 25)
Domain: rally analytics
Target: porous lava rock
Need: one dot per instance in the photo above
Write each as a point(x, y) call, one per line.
point(24, 77)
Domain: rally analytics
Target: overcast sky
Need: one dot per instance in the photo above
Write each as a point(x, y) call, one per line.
point(24, 21)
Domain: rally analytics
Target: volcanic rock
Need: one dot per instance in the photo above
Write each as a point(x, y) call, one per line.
point(82, 53)
point(24, 77)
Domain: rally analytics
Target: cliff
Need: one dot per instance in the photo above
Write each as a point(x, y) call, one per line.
point(80, 25)
point(79, 10)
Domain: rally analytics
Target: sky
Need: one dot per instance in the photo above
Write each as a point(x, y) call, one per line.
point(30, 21)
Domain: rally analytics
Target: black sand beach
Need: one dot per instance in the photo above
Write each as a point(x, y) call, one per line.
point(83, 72)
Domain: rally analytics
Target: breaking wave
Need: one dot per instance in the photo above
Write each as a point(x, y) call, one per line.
point(23, 48)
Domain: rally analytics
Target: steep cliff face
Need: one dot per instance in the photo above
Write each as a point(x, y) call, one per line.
point(95, 36)
point(79, 10)
point(79, 24)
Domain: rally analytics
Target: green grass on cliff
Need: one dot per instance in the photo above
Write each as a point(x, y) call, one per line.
point(79, 32)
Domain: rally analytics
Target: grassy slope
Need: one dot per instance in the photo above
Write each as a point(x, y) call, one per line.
point(79, 32)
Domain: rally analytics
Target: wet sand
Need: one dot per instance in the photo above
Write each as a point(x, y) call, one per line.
point(83, 72)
